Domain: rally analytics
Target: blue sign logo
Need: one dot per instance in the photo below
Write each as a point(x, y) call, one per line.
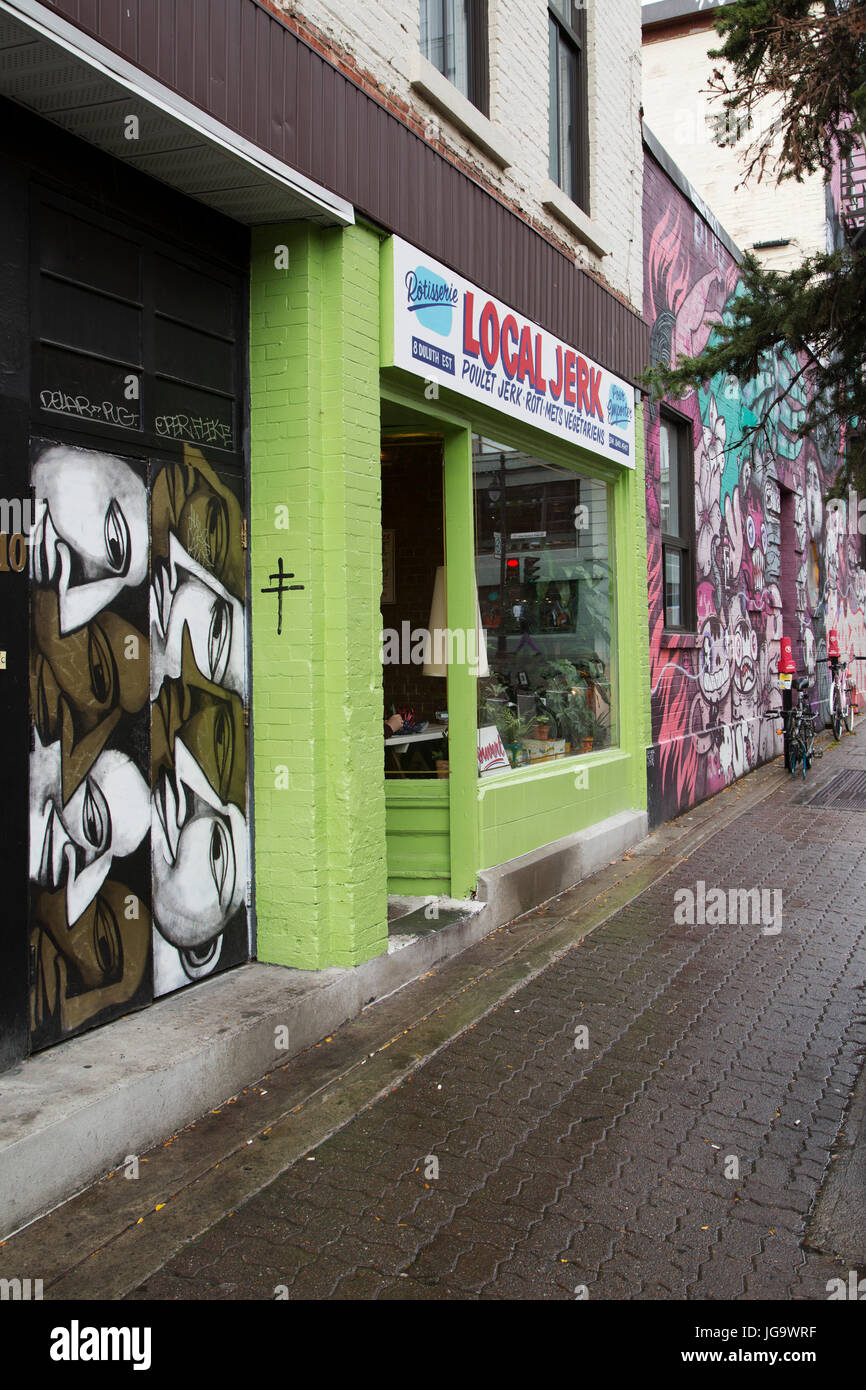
point(618, 408)
point(431, 297)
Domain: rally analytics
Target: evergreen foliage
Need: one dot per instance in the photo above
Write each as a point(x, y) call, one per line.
point(804, 63)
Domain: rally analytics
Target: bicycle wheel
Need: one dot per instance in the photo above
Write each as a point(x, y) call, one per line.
point(849, 717)
point(791, 732)
point(836, 715)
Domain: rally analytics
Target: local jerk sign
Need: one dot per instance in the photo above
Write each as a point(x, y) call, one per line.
point(450, 332)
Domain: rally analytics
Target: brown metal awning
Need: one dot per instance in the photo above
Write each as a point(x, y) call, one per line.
point(52, 68)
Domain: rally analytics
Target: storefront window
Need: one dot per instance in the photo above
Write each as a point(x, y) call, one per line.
point(545, 594)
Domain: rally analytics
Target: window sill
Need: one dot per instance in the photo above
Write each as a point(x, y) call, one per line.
point(573, 217)
point(428, 81)
point(674, 640)
point(568, 766)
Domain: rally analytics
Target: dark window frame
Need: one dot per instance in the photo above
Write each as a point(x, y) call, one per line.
point(150, 247)
point(567, 29)
point(477, 59)
point(685, 541)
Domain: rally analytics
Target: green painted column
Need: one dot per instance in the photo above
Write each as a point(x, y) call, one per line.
point(320, 868)
point(462, 682)
point(632, 617)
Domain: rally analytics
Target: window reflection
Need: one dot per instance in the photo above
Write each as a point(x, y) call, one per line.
point(544, 587)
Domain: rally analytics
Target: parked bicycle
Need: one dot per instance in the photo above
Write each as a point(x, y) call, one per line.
point(800, 730)
point(803, 730)
point(842, 693)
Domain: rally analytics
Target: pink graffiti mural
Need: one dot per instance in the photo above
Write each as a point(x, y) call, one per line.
point(769, 556)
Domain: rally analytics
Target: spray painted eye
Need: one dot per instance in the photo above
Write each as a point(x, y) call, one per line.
point(222, 863)
point(95, 817)
point(101, 665)
point(222, 748)
point(116, 534)
point(107, 943)
point(219, 639)
point(217, 532)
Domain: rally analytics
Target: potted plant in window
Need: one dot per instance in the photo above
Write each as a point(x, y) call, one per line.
point(599, 731)
point(574, 721)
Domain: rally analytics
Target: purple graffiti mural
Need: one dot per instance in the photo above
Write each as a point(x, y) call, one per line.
point(767, 555)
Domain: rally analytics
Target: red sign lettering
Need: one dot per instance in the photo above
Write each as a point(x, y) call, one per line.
point(488, 332)
point(509, 330)
point(470, 342)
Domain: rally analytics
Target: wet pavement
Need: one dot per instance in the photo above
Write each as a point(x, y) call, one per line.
point(672, 1151)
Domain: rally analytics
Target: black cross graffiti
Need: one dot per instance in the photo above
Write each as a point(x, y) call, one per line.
point(279, 589)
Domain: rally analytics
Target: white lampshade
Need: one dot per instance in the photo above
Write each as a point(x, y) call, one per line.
point(437, 652)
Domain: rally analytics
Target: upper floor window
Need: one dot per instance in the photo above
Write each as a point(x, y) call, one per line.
point(454, 39)
point(677, 488)
point(569, 142)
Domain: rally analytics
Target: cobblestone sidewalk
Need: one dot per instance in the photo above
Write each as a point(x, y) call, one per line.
point(675, 1156)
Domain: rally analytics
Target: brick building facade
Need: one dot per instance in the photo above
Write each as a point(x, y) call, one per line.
point(292, 249)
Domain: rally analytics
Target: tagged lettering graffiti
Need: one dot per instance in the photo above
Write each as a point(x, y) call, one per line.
point(61, 402)
point(197, 429)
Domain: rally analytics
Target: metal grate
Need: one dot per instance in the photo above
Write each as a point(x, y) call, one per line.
point(844, 792)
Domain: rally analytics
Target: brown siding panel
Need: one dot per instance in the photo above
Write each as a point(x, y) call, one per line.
point(238, 62)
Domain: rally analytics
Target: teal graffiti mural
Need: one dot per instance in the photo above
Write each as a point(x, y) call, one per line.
point(770, 557)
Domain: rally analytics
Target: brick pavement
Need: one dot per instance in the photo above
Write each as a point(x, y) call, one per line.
point(604, 1168)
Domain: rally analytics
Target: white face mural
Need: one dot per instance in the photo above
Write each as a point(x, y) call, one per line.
point(72, 845)
point(814, 505)
point(199, 855)
point(800, 520)
point(91, 540)
point(741, 747)
point(714, 662)
point(834, 535)
point(745, 647)
point(726, 753)
point(199, 835)
point(139, 849)
point(184, 595)
point(809, 651)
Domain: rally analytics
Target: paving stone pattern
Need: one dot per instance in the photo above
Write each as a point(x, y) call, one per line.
point(604, 1167)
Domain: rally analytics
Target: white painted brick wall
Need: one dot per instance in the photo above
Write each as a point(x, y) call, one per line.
point(674, 73)
point(381, 35)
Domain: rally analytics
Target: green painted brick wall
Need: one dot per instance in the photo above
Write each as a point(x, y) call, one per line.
point(320, 864)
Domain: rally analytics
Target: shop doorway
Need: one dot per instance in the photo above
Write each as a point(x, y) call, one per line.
point(414, 683)
point(414, 672)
